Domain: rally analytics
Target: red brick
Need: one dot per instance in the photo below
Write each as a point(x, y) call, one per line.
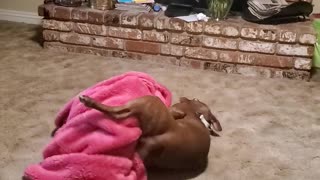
point(112, 18)
point(296, 75)
point(125, 33)
point(252, 71)
point(165, 49)
point(163, 60)
point(95, 16)
point(91, 29)
point(73, 38)
point(77, 49)
point(295, 50)
point(56, 46)
point(220, 67)
point(49, 10)
point(79, 14)
point(66, 26)
point(309, 39)
point(185, 39)
point(62, 13)
point(155, 36)
point(161, 22)
point(169, 49)
point(268, 34)
point(249, 32)
point(57, 25)
point(107, 42)
point(212, 28)
point(256, 59)
point(271, 72)
point(131, 55)
point(166, 60)
point(220, 43)
point(254, 46)
point(176, 24)
point(176, 50)
point(230, 31)
point(146, 57)
point(50, 35)
point(272, 61)
point(195, 27)
point(302, 63)
point(143, 47)
point(287, 36)
point(129, 19)
point(93, 51)
point(51, 24)
point(120, 54)
point(146, 20)
point(191, 63)
point(231, 57)
point(201, 53)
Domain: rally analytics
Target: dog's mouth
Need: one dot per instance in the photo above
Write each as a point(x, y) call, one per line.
point(208, 125)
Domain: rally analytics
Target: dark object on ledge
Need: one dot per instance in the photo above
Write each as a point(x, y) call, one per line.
point(175, 10)
point(293, 13)
point(68, 3)
point(183, 7)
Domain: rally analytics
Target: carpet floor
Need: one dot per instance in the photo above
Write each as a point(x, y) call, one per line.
point(271, 127)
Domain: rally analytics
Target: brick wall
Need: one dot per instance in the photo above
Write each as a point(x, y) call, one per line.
point(232, 46)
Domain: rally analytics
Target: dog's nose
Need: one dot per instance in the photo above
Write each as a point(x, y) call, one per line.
point(216, 125)
point(26, 178)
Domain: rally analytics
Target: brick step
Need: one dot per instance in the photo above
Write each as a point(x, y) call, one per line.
point(246, 70)
point(122, 42)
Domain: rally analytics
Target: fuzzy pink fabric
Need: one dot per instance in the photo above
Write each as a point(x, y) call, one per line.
point(91, 146)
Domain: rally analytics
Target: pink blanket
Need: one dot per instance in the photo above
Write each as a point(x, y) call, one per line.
point(91, 146)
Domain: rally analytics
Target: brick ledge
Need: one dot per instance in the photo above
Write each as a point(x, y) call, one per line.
point(241, 46)
point(246, 70)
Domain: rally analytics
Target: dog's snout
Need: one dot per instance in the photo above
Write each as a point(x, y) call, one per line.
point(216, 125)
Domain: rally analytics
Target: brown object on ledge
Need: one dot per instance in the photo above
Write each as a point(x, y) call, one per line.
point(231, 46)
point(102, 4)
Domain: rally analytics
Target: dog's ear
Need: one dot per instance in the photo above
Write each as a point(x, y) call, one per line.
point(184, 99)
point(176, 113)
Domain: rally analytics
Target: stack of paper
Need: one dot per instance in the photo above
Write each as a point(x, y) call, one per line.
point(144, 1)
point(137, 1)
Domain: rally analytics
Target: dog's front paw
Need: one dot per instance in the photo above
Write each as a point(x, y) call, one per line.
point(86, 100)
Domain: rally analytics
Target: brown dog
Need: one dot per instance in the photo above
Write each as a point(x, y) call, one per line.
point(171, 138)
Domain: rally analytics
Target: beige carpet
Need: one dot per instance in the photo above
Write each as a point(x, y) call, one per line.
point(271, 127)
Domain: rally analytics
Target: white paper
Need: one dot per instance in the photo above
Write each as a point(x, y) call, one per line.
point(190, 18)
point(194, 17)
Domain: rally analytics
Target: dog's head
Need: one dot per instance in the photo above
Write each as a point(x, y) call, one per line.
point(204, 114)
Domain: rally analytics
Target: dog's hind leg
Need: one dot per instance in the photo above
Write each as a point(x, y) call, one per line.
point(116, 112)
